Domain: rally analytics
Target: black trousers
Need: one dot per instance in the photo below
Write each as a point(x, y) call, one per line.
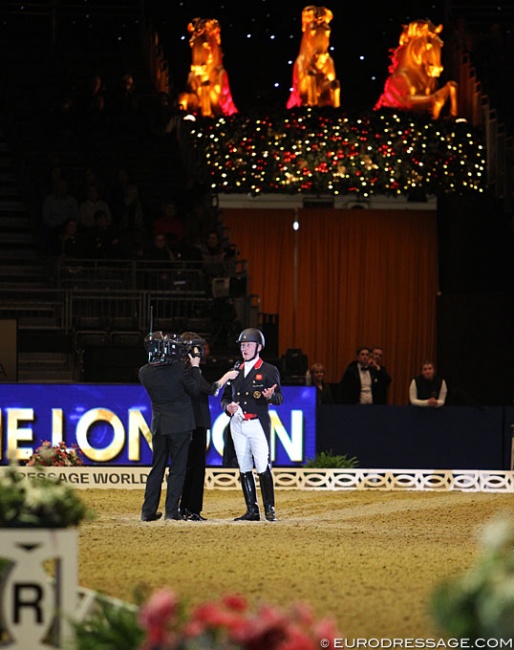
point(170, 448)
point(192, 493)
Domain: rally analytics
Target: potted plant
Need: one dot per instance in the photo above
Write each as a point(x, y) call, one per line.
point(322, 470)
point(48, 455)
point(479, 604)
point(329, 460)
point(162, 622)
point(39, 502)
point(38, 557)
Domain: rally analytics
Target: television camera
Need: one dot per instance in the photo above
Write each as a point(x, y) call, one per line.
point(164, 348)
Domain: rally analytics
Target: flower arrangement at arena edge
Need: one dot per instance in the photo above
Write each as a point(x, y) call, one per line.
point(228, 624)
point(38, 502)
point(58, 455)
point(480, 603)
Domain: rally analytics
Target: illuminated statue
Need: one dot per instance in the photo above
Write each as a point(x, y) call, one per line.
point(416, 65)
point(208, 90)
point(314, 74)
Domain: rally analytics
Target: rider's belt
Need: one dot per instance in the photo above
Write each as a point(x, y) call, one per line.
point(250, 416)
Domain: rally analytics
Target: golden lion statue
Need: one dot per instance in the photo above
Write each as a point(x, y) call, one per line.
point(208, 90)
point(415, 68)
point(314, 74)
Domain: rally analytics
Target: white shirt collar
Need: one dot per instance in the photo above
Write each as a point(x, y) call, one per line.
point(248, 365)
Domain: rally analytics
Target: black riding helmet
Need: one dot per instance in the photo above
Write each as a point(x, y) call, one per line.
point(252, 335)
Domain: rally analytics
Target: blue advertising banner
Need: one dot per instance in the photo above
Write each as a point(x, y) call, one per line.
point(111, 423)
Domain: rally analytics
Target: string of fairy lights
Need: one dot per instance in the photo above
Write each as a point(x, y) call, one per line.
point(322, 151)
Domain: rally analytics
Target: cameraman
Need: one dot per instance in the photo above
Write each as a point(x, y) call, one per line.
point(170, 386)
point(192, 494)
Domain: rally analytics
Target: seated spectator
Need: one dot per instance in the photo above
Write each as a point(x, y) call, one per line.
point(324, 393)
point(102, 240)
point(70, 241)
point(168, 222)
point(90, 206)
point(427, 389)
point(218, 261)
point(160, 277)
point(58, 207)
point(159, 249)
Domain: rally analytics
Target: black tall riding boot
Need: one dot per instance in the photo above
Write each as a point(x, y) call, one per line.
point(268, 494)
point(250, 493)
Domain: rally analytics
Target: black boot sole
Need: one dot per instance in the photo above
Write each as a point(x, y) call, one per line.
point(247, 517)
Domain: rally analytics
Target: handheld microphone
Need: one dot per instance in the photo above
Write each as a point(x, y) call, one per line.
point(236, 366)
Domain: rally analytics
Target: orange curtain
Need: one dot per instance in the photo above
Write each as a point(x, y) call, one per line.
point(346, 278)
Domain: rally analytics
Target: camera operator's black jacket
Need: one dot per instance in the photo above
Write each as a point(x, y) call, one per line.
point(201, 404)
point(170, 388)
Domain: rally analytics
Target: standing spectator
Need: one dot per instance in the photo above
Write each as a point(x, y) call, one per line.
point(383, 379)
point(170, 386)
point(94, 108)
point(427, 389)
point(117, 191)
point(162, 114)
point(91, 177)
point(91, 112)
point(359, 381)
point(131, 225)
point(126, 105)
point(246, 400)
point(191, 503)
point(324, 393)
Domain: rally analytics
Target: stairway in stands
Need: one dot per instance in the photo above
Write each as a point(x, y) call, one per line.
point(43, 349)
point(32, 83)
point(20, 263)
point(43, 352)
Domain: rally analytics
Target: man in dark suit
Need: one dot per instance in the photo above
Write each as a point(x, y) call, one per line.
point(170, 386)
point(360, 381)
point(383, 378)
point(246, 401)
point(191, 503)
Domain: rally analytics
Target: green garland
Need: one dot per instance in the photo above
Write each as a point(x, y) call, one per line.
point(322, 151)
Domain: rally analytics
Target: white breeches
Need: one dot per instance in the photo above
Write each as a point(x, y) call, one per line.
point(250, 444)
